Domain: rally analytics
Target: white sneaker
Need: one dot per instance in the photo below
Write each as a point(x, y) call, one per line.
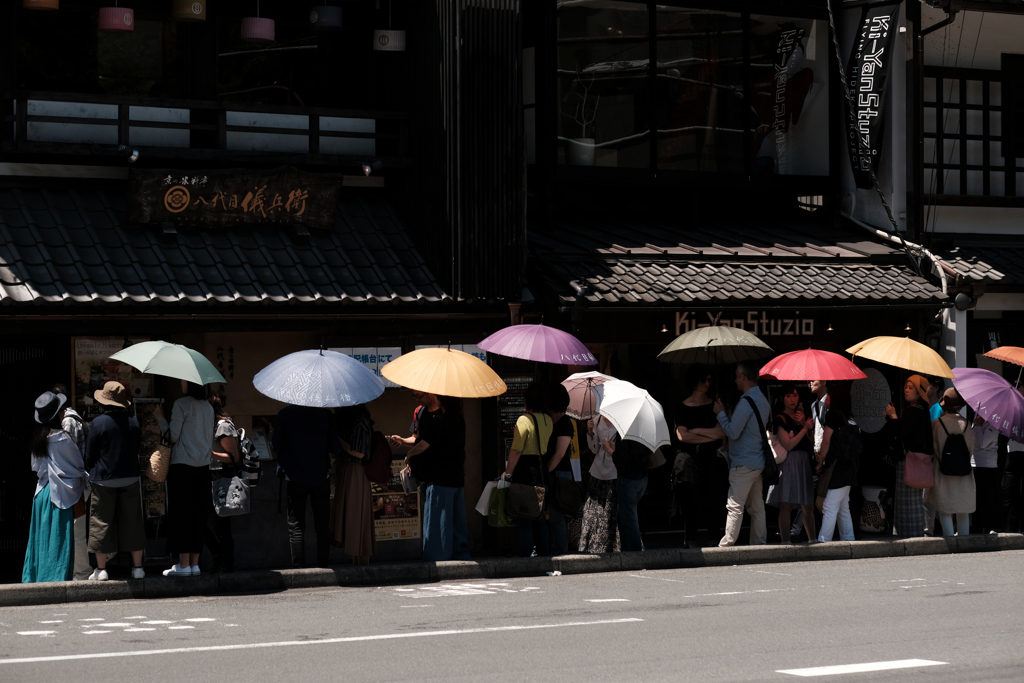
point(138, 573)
point(195, 570)
point(98, 575)
point(178, 571)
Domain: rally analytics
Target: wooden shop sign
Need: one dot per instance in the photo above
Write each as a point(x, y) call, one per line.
point(231, 198)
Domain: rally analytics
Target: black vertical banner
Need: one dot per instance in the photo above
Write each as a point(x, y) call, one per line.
point(867, 77)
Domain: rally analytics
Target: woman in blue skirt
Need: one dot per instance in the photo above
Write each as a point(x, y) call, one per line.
point(58, 463)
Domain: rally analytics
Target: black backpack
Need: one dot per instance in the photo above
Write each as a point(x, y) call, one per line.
point(847, 441)
point(956, 457)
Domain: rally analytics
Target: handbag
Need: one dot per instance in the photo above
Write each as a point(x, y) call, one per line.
point(567, 497)
point(524, 501)
point(231, 494)
point(157, 463)
point(770, 473)
point(778, 449)
point(918, 472)
point(823, 482)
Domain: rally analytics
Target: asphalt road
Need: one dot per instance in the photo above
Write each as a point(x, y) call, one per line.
point(744, 623)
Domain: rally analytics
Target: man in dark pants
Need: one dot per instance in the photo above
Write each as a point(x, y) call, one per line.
point(304, 439)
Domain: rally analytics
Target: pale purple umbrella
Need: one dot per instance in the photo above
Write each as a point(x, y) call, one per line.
point(993, 398)
point(582, 401)
point(539, 343)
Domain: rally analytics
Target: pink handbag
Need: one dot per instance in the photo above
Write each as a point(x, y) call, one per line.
point(918, 473)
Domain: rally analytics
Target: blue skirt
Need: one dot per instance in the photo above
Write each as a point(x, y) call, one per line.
point(51, 544)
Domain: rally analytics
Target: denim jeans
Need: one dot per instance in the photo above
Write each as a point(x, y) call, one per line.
point(319, 497)
point(630, 491)
point(445, 529)
point(559, 523)
point(836, 508)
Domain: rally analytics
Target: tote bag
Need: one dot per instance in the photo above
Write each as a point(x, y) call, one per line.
point(918, 473)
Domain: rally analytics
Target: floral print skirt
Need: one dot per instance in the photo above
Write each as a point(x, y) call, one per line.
point(600, 532)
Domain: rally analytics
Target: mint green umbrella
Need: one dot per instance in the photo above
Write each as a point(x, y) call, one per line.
point(170, 360)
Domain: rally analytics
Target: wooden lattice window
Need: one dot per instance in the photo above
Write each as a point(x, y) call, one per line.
point(965, 135)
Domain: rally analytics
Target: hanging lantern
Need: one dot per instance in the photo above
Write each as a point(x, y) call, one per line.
point(325, 17)
point(258, 29)
point(389, 40)
point(117, 19)
point(41, 4)
point(190, 10)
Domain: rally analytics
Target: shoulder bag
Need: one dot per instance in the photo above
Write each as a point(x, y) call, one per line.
point(231, 494)
point(770, 473)
point(524, 501)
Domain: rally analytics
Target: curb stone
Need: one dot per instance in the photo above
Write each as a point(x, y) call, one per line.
point(265, 581)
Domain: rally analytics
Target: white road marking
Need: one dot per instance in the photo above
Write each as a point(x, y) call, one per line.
point(115, 624)
point(133, 617)
point(608, 600)
point(229, 625)
point(35, 633)
point(92, 632)
point(53, 621)
point(904, 580)
point(94, 619)
point(176, 628)
point(133, 630)
point(328, 641)
point(860, 668)
point(158, 621)
point(415, 606)
point(201, 619)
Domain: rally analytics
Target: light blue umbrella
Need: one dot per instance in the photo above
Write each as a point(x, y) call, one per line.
point(318, 379)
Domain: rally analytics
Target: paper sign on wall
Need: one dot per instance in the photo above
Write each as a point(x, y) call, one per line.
point(373, 358)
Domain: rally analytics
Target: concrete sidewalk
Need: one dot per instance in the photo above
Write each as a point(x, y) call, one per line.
point(263, 581)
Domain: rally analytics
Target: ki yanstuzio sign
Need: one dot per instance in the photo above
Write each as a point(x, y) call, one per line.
point(229, 198)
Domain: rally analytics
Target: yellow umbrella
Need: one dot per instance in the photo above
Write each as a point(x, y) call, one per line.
point(445, 372)
point(903, 352)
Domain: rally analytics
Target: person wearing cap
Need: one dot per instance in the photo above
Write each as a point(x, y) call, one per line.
point(911, 432)
point(75, 426)
point(112, 460)
point(952, 495)
point(57, 462)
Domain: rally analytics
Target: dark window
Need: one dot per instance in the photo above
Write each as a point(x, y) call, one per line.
point(729, 92)
point(1013, 106)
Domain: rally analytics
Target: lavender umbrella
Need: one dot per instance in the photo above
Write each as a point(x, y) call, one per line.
point(993, 398)
point(539, 343)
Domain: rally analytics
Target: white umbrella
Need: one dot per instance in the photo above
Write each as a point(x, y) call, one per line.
point(582, 402)
point(634, 414)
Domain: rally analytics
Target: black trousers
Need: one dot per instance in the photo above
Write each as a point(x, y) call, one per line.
point(319, 497)
point(220, 541)
point(189, 501)
point(989, 484)
point(1013, 496)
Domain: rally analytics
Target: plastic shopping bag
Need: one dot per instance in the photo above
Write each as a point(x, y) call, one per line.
point(483, 506)
point(496, 515)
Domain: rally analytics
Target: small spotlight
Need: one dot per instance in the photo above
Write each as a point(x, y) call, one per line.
point(664, 328)
point(907, 328)
point(372, 166)
point(830, 329)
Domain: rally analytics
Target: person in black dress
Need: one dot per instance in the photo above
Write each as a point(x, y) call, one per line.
point(911, 432)
point(700, 475)
point(795, 485)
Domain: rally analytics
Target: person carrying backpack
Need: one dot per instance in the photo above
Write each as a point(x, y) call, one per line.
point(954, 492)
point(840, 455)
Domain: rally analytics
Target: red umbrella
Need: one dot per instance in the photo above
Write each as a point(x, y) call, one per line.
point(800, 366)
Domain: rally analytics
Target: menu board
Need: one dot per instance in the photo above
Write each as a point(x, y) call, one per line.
point(93, 369)
point(511, 405)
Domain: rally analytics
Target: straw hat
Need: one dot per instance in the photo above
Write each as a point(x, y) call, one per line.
point(952, 401)
point(112, 394)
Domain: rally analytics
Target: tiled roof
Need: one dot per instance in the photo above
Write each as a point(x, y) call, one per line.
point(68, 245)
point(990, 264)
point(640, 263)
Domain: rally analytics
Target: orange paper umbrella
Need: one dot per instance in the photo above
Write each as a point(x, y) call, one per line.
point(445, 372)
point(902, 352)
